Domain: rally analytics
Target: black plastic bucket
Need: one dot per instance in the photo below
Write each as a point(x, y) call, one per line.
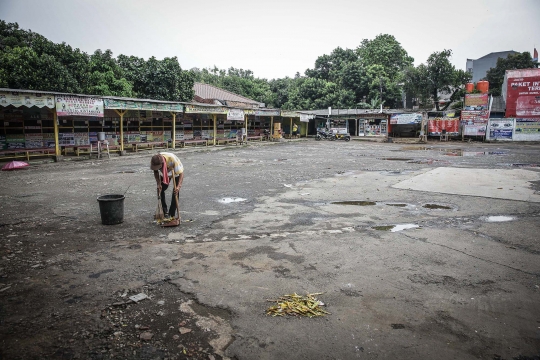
point(111, 208)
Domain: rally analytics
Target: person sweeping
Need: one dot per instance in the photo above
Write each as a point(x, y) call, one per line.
point(165, 166)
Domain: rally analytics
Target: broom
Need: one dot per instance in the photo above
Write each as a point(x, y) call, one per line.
point(159, 215)
point(174, 222)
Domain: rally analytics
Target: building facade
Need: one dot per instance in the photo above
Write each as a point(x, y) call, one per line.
point(478, 68)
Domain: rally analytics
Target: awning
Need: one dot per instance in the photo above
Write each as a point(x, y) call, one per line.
point(26, 99)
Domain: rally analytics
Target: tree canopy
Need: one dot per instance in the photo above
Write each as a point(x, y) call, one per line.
point(495, 75)
point(437, 76)
point(30, 61)
point(377, 72)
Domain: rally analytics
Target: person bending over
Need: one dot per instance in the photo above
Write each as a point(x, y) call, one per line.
point(165, 166)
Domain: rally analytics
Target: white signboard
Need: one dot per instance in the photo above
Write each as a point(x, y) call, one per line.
point(18, 99)
point(79, 106)
point(235, 114)
point(400, 119)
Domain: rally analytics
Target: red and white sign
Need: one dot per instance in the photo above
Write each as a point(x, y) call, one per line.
point(436, 126)
point(523, 96)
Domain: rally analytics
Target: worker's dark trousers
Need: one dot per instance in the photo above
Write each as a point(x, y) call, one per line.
point(172, 209)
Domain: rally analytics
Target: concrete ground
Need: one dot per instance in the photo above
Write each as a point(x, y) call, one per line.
point(419, 251)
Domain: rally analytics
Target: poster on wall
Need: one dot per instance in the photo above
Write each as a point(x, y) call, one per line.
point(401, 119)
point(476, 102)
point(48, 140)
point(474, 130)
point(33, 141)
point(523, 93)
point(188, 134)
point(437, 125)
point(14, 141)
point(79, 106)
point(527, 129)
point(18, 99)
point(81, 139)
point(235, 115)
point(469, 117)
point(501, 129)
point(66, 139)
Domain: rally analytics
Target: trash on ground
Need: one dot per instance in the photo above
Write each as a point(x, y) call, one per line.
point(231, 200)
point(138, 297)
point(297, 305)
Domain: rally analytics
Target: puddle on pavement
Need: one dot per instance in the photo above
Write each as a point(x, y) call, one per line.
point(436, 206)
point(229, 200)
point(395, 159)
point(357, 203)
point(460, 152)
point(413, 148)
point(394, 228)
point(404, 227)
point(395, 172)
point(500, 218)
point(526, 165)
point(398, 205)
point(383, 227)
point(453, 152)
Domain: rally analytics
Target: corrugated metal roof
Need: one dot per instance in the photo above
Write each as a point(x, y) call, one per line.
point(206, 91)
point(357, 112)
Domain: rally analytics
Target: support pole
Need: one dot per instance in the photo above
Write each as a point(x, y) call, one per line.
point(55, 127)
point(271, 128)
point(214, 117)
point(121, 114)
point(173, 130)
point(246, 126)
point(290, 130)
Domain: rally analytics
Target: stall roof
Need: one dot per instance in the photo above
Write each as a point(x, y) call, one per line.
point(208, 92)
point(355, 112)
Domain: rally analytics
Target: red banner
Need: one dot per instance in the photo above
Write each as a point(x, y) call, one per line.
point(436, 126)
point(523, 97)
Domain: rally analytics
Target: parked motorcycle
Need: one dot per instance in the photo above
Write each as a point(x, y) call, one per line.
point(324, 135)
point(345, 137)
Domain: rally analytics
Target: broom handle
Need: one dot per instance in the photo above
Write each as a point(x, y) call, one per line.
point(176, 196)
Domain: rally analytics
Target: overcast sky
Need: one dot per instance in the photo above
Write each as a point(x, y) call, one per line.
point(278, 38)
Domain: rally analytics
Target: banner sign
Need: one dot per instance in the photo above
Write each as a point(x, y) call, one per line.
point(400, 119)
point(501, 129)
point(235, 114)
point(476, 101)
point(305, 117)
point(141, 105)
point(197, 109)
point(437, 125)
point(474, 130)
point(18, 99)
point(285, 113)
point(474, 117)
point(523, 97)
point(527, 130)
point(241, 104)
point(261, 112)
point(79, 106)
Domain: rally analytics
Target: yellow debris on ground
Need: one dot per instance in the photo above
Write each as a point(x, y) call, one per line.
point(297, 305)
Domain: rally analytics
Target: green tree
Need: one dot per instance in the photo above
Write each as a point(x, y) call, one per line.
point(106, 77)
point(495, 75)
point(158, 79)
point(22, 68)
point(437, 76)
point(386, 51)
